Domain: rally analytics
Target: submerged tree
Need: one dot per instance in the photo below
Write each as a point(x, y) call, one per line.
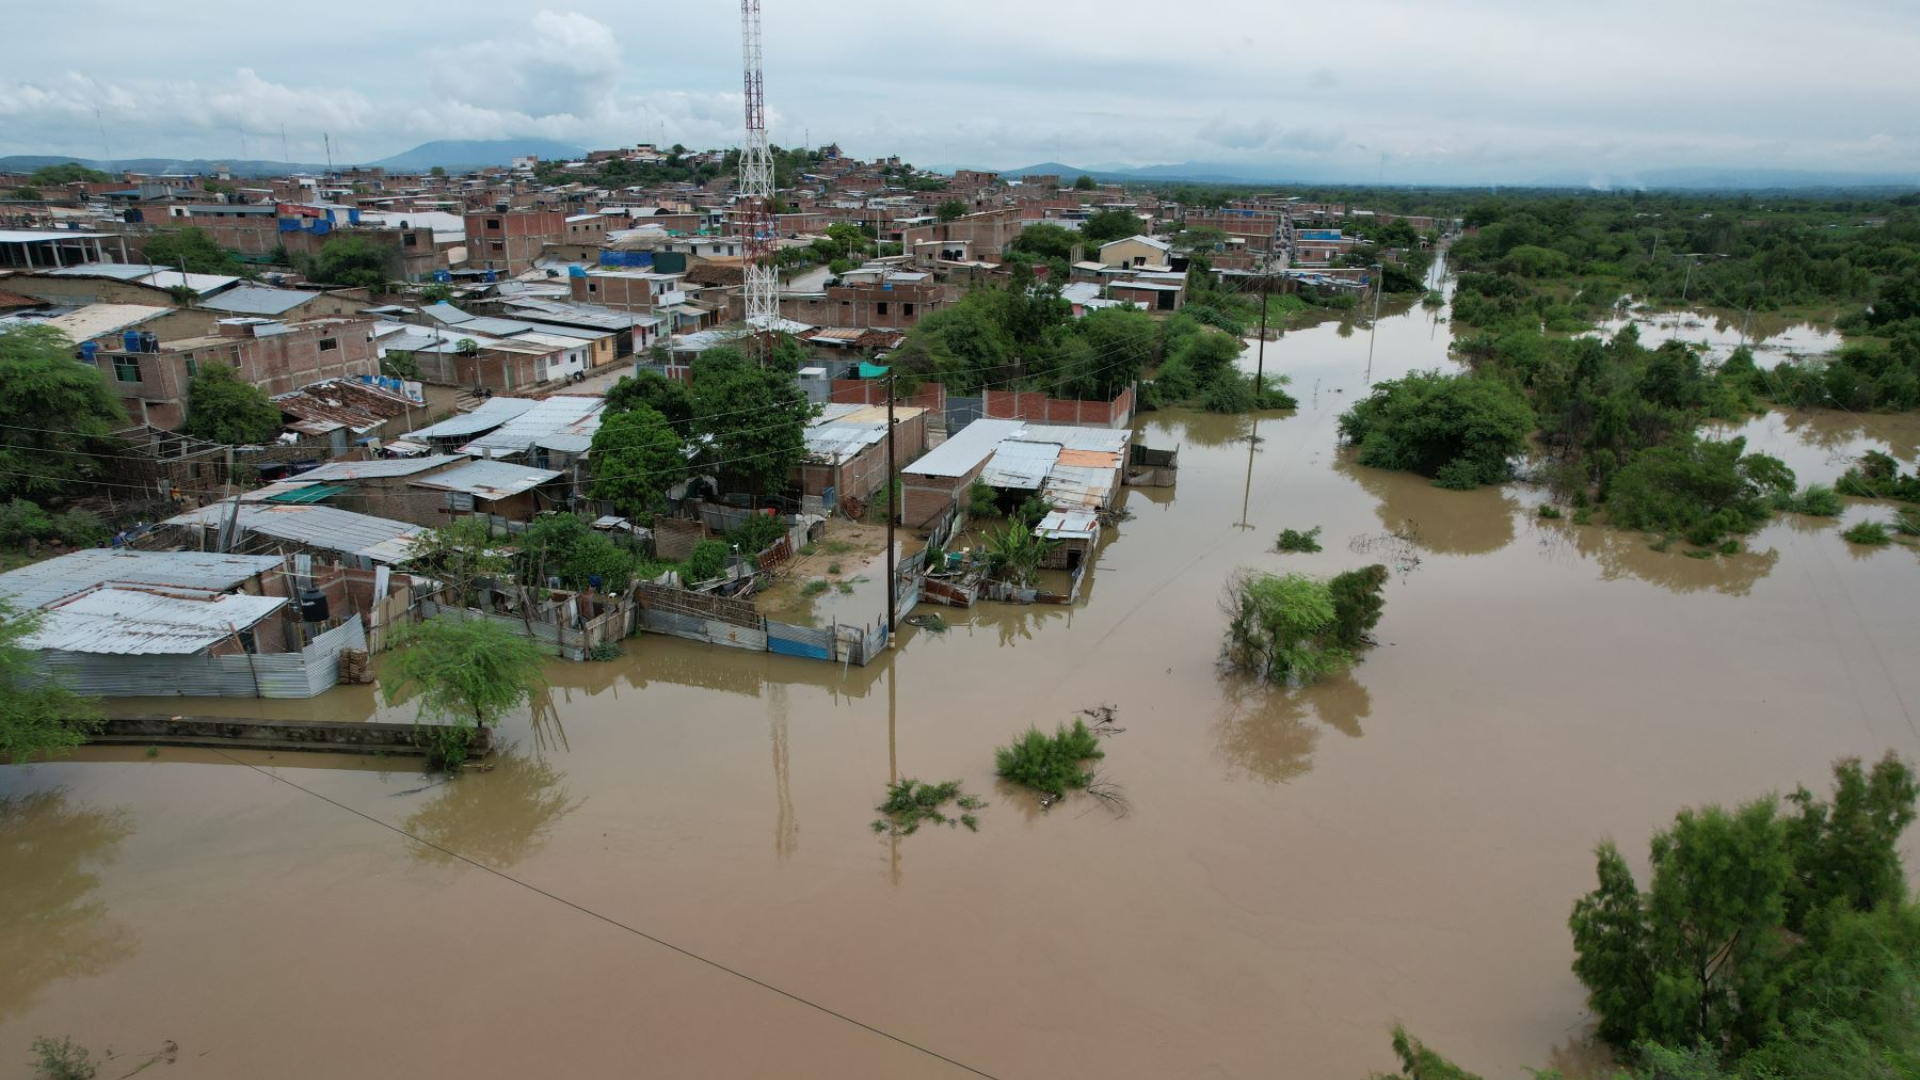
point(39, 716)
point(468, 674)
point(1736, 929)
point(1290, 627)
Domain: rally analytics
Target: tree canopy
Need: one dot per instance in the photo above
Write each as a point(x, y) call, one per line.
point(754, 418)
point(467, 674)
point(69, 173)
point(1458, 429)
point(54, 414)
point(670, 398)
point(351, 260)
point(949, 209)
point(223, 408)
point(1103, 226)
point(1046, 241)
point(39, 716)
point(637, 456)
point(191, 247)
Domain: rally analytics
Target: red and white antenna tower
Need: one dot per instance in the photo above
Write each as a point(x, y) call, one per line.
point(754, 209)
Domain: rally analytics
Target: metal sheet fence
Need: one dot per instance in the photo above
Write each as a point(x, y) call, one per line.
point(790, 640)
point(307, 673)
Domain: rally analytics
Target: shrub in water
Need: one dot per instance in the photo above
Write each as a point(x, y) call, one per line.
point(1294, 540)
point(1050, 763)
point(1869, 533)
point(910, 803)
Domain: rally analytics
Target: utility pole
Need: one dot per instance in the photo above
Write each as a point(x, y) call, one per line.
point(1260, 353)
point(1379, 285)
point(893, 511)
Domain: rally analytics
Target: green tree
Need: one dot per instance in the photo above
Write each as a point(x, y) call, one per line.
point(352, 261)
point(950, 209)
point(568, 547)
point(437, 170)
point(468, 674)
point(70, 173)
point(670, 398)
point(1045, 241)
point(191, 247)
point(1699, 487)
point(1280, 627)
point(462, 553)
point(54, 414)
point(636, 457)
point(1084, 182)
point(27, 193)
point(1846, 852)
point(1459, 429)
point(224, 409)
point(39, 716)
point(1104, 226)
point(755, 419)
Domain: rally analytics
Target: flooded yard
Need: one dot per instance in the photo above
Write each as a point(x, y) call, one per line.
point(670, 871)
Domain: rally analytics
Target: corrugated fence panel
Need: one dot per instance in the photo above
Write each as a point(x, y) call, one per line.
point(708, 630)
point(789, 640)
point(305, 674)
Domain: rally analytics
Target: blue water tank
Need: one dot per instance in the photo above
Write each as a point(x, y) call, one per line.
point(87, 351)
point(575, 270)
point(492, 277)
point(130, 341)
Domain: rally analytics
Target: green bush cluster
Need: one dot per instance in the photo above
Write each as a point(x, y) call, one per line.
point(21, 521)
point(1699, 489)
point(1291, 627)
point(1050, 763)
point(1878, 476)
point(911, 803)
point(707, 561)
point(1458, 429)
point(1293, 540)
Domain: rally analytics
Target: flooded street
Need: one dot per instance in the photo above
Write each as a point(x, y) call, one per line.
point(670, 871)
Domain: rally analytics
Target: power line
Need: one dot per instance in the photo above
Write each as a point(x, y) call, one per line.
point(613, 922)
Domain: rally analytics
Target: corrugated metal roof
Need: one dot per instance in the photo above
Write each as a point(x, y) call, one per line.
point(1021, 465)
point(1069, 525)
point(560, 423)
point(1077, 438)
point(964, 449)
point(258, 300)
point(38, 584)
point(488, 479)
point(1078, 485)
point(89, 321)
point(491, 414)
point(128, 621)
point(305, 493)
point(379, 468)
point(324, 528)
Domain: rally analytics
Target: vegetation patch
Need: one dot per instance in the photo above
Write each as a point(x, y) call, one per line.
point(1050, 764)
point(912, 803)
point(1817, 500)
point(1294, 628)
point(62, 1059)
point(1878, 476)
point(1699, 489)
point(1460, 430)
point(815, 587)
point(468, 674)
point(1868, 533)
point(1293, 540)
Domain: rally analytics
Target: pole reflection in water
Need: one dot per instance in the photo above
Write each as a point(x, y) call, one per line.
point(786, 827)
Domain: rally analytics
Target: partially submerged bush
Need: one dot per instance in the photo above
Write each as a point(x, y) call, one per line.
point(1458, 429)
point(1295, 541)
point(1869, 533)
point(1050, 763)
point(911, 803)
point(63, 1059)
point(1700, 489)
point(1878, 476)
point(1284, 627)
point(1818, 500)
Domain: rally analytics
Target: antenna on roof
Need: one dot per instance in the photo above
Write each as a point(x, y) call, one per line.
point(106, 149)
point(328, 141)
point(285, 153)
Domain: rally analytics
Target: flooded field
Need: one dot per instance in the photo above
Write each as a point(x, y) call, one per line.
point(670, 872)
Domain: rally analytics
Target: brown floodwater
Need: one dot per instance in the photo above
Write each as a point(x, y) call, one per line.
point(1296, 870)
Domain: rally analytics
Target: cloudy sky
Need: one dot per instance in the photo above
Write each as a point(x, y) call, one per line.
point(1404, 91)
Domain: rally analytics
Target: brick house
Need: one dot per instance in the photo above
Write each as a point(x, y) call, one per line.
point(510, 240)
point(276, 357)
point(885, 299)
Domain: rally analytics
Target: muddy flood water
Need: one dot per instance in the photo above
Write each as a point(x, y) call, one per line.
point(670, 871)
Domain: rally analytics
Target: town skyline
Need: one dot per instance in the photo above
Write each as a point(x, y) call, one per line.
point(1490, 94)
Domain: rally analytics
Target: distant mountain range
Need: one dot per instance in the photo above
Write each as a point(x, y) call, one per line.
point(452, 155)
point(1690, 179)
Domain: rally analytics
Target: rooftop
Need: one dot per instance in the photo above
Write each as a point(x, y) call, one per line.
point(258, 300)
point(492, 412)
point(322, 527)
point(380, 468)
point(38, 584)
point(130, 621)
point(488, 479)
point(564, 422)
point(88, 322)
